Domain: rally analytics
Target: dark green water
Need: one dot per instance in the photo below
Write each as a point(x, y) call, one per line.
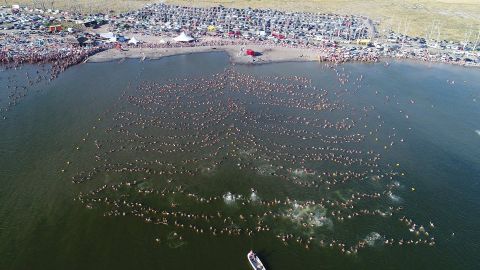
point(43, 227)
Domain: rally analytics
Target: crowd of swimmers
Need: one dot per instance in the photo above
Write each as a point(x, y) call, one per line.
point(159, 139)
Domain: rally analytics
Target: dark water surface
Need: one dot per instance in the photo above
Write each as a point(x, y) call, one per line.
point(434, 126)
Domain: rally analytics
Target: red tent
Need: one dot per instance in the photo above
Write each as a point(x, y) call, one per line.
point(250, 52)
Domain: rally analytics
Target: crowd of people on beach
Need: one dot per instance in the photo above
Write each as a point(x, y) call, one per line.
point(44, 49)
point(323, 53)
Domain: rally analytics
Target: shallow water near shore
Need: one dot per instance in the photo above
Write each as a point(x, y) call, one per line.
point(433, 123)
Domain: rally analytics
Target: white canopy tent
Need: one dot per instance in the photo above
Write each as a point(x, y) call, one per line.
point(133, 41)
point(183, 38)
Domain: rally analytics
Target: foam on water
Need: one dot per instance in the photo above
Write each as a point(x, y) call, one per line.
point(266, 169)
point(254, 196)
point(478, 132)
point(394, 198)
point(230, 198)
point(208, 170)
point(174, 240)
point(299, 172)
point(247, 153)
point(311, 216)
point(374, 239)
point(302, 172)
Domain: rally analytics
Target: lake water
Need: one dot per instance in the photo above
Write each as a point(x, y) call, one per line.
point(160, 164)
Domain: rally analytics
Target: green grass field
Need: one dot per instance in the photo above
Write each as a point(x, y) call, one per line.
point(448, 19)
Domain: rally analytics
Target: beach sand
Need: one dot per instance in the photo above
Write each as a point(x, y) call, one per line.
point(236, 52)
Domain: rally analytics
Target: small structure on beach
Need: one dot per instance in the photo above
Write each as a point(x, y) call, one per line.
point(81, 41)
point(122, 39)
point(133, 41)
point(107, 35)
point(183, 38)
point(250, 52)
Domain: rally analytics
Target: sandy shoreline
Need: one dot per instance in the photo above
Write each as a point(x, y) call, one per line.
point(267, 54)
point(236, 55)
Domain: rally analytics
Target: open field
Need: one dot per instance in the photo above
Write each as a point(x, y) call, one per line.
point(446, 19)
